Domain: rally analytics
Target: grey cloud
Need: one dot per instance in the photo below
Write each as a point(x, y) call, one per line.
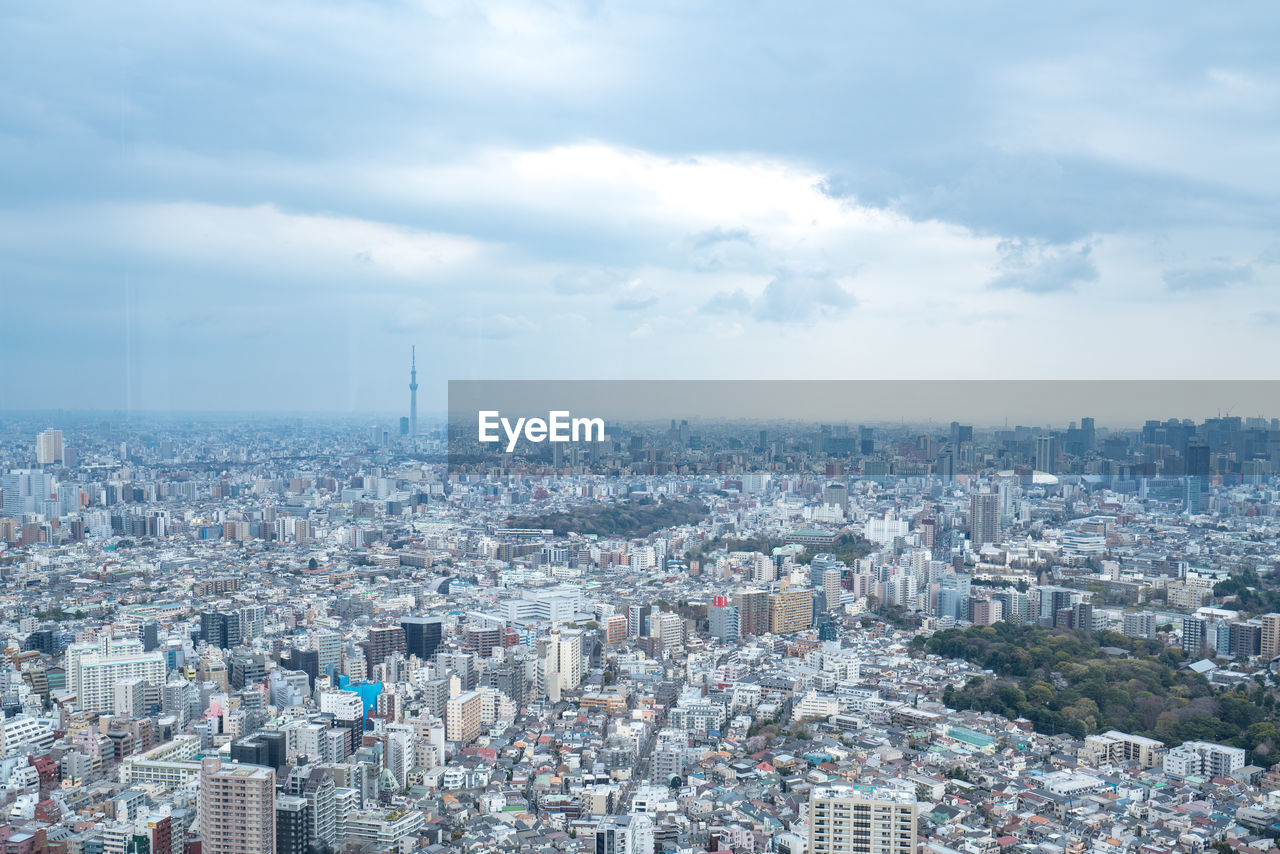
point(1039, 268)
point(634, 302)
point(703, 239)
point(788, 298)
point(1207, 277)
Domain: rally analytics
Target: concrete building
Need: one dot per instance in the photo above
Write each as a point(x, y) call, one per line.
point(237, 811)
point(861, 820)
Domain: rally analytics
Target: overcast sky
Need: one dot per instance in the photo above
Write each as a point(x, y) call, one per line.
point(242, 206)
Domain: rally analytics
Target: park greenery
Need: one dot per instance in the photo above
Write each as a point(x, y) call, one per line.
point(848, 547)
point(1078, 682)
point(638, 518)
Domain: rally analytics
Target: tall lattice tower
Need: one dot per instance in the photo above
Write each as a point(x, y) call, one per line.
point(413, 391)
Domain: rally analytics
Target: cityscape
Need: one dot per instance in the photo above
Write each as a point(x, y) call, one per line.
point(294, 635)
point(615, 427)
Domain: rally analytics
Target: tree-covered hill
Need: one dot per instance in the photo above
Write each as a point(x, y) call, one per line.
point(626, 519)
point(1063, 681)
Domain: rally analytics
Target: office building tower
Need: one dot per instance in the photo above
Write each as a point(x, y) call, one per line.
point(237, 811)
point(861, 820)
point(819, 565)
point(1088, 434)
point(267, 747)
point(49, 448)
point(422, 636)
point(953, 595)
point(836, 494)
point(220, 629)
point(984, 518)
point(480, 640)
point(1047, 454)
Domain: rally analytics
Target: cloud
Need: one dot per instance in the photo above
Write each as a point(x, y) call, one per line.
point(493, 327)
point(1039, 268)
point(711, 237)
point(788, 298)
point(634, 303)
point(1215, 275)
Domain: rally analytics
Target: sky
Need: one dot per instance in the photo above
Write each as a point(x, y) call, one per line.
point(263, 206)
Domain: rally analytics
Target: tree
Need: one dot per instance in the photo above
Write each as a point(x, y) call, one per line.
point(313, 564)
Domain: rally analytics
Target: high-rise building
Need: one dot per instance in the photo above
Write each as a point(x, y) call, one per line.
point(624, 834)
point(836, 494)
point(462, 717)
point(790, 611)
point(1047, 454)
point(723, 619)
point(1195, 634)
point(94, 676)
point(753, 611)
point(984, 518)
point(422, 636)
point(953, 595)
point(291, 825)
point(568, 652)
point(669, 628)
point(237, 809)
point(220, 628)
point(1270, 636)
point(49, 448)
point(382, 642)
point(638, 620)
point(861, 820)
point(615, 628)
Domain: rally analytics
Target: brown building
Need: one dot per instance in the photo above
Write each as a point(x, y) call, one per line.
point(237, 808)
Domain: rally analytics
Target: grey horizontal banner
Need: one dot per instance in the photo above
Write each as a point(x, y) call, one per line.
point(879, 429)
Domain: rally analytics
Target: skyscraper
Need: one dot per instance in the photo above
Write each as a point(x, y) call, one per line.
point(1047, 454)
point(237, 808)
point(49, 447)
point(413, 391)
point(422, 636)
point(1270, 635)
point(984, 518)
